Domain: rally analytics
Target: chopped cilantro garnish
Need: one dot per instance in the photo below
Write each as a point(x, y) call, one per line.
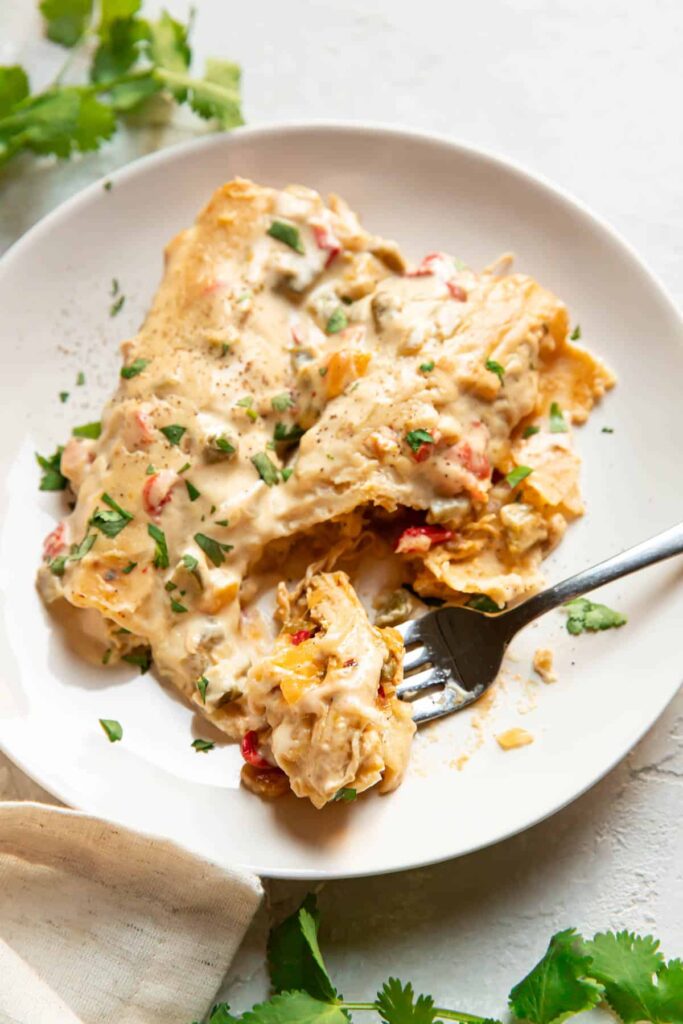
point(202, 746)
point(110, 521)
point(114, 290)
point(586, 615)
point(52, 478)
point(576, 333)
point(89, 430)
point(107, 186)
point(516, 475)
point(151, 470)
point(134, 368)
point(427, 367)
point(192, 491)
point(322, 370)
point(129, 568)
point(117, 306)
point(287, 435)
point(77, 552)
point(112, 728)
point(140, 656)
point(286, 473)
point(170, 585)
point(63, 396)
point(160, 546)
point(496, 368)
point(287, 233)
point(282, 402)
point(213, 549)
point(106, 656)
point(531, 430)
point(176, 606)
point(337, 321)
point(202, 685)
point(190, 562)
point(558, 424)
point(416, 438)
point(345, 795)
point(222, 522)
point(267, 470)
point(607, 430)
point(184, 467)
point(482, 603)
point(173, 433)
point(80, 379)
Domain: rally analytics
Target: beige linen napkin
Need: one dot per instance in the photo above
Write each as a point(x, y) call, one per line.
point(102, 925)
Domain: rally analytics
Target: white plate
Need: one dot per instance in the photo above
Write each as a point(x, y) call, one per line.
point(430, 194)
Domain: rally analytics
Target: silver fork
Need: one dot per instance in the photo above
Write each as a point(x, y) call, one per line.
point(456, 653)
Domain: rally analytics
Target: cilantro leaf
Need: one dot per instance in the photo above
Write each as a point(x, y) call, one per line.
point(213, 549)
point(52, 478)
point(576, 333)
point(192, 491)
point(66, 19)
point(516, 475)
point(202, 685)
point(110, 521)
point(60, 121)
point(217, 94)
point(77, 552)
point(427, 367)
point(483, 603)
point(140, 656)
point(627, 965)
point(416, 438)
point(13, 87)
point(161, 560)
point(346, 795)
point(559, 986)
point(169, 51)
point(295, 1008)
point(173, 433)
point(267, 469)
point(112, 728)
point(134, 368)
point(294, 957)
point(288, 435)
point(203, 746)
point(496, 368)
point(530, 430)
point(220, 1014)
point(558, 424)
point(287, 233)
point(89, 430)
point(396, 1004)
point(587, 615)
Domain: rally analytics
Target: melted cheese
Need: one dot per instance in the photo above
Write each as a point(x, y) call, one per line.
point(290, 401)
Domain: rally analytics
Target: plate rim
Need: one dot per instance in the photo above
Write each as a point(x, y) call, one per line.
point(397, 132)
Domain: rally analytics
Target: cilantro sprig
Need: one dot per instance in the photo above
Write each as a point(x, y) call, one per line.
point(625, 972)
point(584, 615)
point(131, 59)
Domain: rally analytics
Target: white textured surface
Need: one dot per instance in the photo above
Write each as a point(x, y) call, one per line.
point(585, 94)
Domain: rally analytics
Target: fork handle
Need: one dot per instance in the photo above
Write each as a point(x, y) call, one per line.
point(664, 545)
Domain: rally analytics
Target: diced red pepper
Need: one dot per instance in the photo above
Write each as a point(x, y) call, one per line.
point(456, 291)
point(250, 752)
point(474, 461)
point(422, 538)
point(54, 542)
point(426, 268)
point(300, 635)
point(326, 239)
point(423, 452)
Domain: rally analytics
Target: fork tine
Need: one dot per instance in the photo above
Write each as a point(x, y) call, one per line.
point(414, 658)
point(409, 630)
point(437, 705)
point(422, 681)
